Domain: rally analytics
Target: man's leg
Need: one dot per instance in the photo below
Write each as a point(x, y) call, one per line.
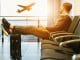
point(32, 30)
point(26, 30)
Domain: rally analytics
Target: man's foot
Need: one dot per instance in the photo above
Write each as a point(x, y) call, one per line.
point(6, 26)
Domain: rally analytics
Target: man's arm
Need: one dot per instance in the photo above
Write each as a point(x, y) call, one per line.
point(62, 24)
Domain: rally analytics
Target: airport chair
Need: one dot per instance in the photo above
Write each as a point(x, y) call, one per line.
point(71, 41)
point(52, 50)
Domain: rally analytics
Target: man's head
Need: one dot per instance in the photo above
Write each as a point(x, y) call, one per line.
point(66, 7)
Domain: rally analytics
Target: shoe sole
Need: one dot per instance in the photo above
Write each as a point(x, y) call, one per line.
point(4, 31)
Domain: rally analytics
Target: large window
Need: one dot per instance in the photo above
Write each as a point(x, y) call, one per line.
point(10, 7)
point(36, 16)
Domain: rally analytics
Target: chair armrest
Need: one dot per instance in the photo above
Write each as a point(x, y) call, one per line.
point(66, 38)
point(56, 34)
point(72, 44)
point(64, 44)
point(60, 34)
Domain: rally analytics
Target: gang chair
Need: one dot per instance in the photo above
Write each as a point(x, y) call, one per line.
point(71, 41)
point(73, 44)
point(62, 45)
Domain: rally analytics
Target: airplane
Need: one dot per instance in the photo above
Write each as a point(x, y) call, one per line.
point(28, 7)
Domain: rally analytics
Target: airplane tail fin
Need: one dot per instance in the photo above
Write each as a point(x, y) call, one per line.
point(32, 4)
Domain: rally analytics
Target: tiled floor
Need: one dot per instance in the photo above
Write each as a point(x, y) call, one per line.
point(29, 51)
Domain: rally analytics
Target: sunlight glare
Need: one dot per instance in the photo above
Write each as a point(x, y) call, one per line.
point(40, 8)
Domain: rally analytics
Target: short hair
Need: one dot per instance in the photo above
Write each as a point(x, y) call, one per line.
point(67, 6)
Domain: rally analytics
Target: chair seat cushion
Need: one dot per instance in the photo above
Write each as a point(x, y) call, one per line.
point(51, 50)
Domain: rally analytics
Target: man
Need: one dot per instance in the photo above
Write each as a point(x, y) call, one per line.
point(62, 24)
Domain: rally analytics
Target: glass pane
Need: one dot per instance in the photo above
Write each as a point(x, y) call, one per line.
point(14, 8)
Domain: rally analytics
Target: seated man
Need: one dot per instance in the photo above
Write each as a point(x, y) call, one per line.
point(62, 24)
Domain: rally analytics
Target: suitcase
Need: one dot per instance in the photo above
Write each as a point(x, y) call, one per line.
point(15, 46)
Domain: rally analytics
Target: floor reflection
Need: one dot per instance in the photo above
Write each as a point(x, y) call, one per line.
point(16, 58)
point(29, 51)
